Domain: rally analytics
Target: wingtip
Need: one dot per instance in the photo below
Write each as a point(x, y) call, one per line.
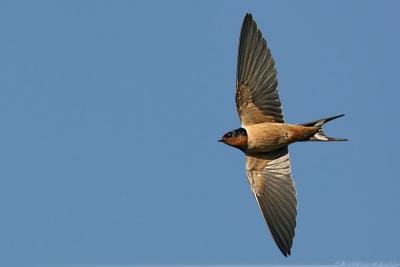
point(248, 16)
point(285, 253)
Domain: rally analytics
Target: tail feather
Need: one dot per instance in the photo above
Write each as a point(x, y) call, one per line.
point(320, 135)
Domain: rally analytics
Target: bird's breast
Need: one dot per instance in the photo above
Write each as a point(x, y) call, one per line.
point(267, 137)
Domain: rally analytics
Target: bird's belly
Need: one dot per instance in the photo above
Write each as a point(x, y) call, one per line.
point(268, 137)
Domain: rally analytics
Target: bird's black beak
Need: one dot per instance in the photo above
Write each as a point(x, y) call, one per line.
point(220, 140)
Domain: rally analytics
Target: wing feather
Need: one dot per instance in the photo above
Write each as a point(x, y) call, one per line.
point(275, 231)
point(270, 180)
point(257, 98)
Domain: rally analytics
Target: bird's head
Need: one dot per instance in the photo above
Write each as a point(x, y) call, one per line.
point(236, 138)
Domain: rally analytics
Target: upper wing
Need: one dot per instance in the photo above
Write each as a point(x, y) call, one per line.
point(270, 179)
point(257, 98)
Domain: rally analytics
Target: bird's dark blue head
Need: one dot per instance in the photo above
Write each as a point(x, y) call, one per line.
point(235, 133)
point(236, 138)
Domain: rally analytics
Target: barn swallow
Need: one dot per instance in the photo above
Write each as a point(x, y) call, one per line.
point(264, 137)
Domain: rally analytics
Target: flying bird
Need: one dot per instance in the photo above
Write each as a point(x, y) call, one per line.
point(264, 137)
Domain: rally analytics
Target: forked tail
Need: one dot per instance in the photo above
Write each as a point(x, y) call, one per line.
point(320, 135)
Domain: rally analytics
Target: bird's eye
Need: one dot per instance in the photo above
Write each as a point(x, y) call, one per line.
point(228, 134)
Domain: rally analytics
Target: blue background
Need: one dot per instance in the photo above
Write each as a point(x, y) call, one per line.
point(110, 112)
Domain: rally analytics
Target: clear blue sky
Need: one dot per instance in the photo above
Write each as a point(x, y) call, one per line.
point(110, 112)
